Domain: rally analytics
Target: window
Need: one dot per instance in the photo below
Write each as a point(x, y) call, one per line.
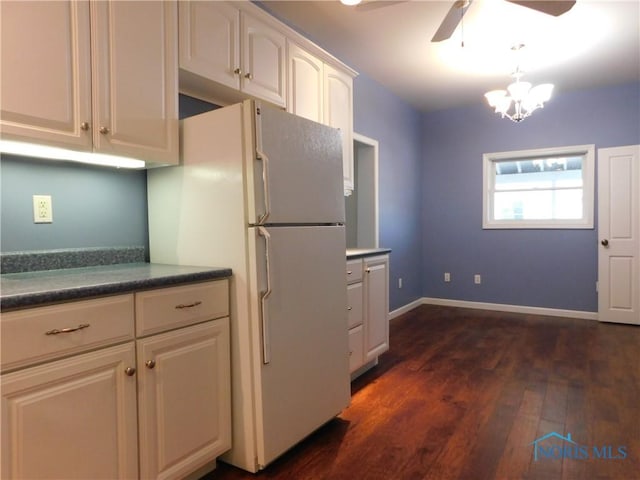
point(545, 188)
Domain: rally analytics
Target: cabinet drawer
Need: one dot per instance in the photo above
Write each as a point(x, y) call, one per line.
point(354, 271)
point(168, 308)
point(38, 334)
point(356, 348)
point(354, 304)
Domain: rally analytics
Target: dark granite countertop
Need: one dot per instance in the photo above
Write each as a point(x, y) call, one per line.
point(29, 289)
point(353, 253)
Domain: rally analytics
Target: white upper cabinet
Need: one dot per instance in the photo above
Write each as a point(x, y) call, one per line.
point(263, 60)
point(135, 79)
point(210, 41)
point(233, 50)
point(306, 80)
point(338, 113)
point(96, 76)
point(222, 44)
point(45, 72)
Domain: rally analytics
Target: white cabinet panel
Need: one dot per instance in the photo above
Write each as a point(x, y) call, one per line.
point(210, 41)
point(338, 113)
point(184, 399)
point(305, 84)
point(377, 306)
point(45, 73)
point(263, 60)
point(71, 419)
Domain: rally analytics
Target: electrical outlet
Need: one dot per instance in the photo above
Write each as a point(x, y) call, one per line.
point(42, 211)
point(477, 279)
point(447, 277)
point(400, 282)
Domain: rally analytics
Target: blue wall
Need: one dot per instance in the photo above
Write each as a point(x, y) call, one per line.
point(544, 268)
point(380, 115)
point(92, 206)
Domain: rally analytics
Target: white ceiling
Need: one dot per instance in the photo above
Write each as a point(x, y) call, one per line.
point(596, 43)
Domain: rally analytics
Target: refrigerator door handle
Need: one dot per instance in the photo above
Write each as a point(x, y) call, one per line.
point(265, 186)
point(266, 347)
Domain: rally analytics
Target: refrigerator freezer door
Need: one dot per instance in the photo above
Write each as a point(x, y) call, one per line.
point(297, 170)
point(306, 380)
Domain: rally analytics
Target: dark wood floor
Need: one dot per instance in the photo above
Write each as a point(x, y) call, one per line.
point(463, 393)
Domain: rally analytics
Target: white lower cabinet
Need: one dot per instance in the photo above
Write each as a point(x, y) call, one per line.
point(72, 418)
point(368, 305)
point(158, 407)
point(183, 403)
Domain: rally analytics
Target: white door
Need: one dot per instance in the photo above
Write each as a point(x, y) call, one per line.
point(305, 84)
point(618, 234)
point(304, 378)
point(299, 177)
point(210, 41)
point(338, 113)
point(72, 419)
point(183, 399)
point(45, 72)
point(135, 79)
point(263, 60)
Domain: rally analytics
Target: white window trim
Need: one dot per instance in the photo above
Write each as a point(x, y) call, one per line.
point(488, 173)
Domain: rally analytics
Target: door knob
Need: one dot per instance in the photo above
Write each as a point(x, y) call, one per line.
point(605, 243)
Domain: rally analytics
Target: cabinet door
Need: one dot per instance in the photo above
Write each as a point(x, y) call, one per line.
point(305, 84)
point(377, 306)
point(71, 419)
point(338, 113)
point(45, 72)
point(184, 399)
point(354, 304)
point(210, 41)
point(356, 348)
point(263, 61)
point(135, 69)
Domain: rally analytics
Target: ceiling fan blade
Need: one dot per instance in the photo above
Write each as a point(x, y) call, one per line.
point(375, 4)
point(451, 20)
point(550, 7)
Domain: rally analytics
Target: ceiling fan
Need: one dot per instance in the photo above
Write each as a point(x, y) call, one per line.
point(459, 8)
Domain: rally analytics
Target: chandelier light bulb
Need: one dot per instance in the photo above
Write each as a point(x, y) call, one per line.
point(522, 96)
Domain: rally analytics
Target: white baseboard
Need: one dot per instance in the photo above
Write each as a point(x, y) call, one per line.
point(499, 307)
point(405, 309)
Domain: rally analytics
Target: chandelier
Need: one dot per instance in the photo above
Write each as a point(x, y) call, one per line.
point(520, 99)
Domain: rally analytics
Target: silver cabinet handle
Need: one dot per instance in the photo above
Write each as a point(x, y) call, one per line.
point(266, 347)
point(104, 130)
point(237, 71)
point(265, 184)
point(84, 126)
point(349, 308)
point(56, 331)
point(130, 371)
point(248, 76)
point(188, 305)
point(150, 364)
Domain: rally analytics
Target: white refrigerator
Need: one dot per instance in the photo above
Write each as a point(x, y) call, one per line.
point(261, 191)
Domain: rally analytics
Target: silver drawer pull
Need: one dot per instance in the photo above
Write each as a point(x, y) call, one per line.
point(349, 308)
point(56, 331)
point(349, 272)
point(190, 305)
